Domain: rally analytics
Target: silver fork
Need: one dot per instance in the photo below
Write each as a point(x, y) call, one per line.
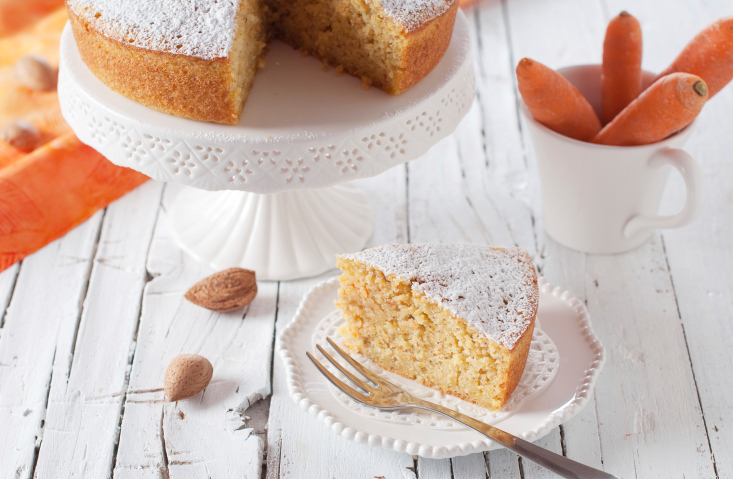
point(384, 395)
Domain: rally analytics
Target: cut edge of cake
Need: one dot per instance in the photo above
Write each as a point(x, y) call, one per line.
point(181, 66)
point(423, 339)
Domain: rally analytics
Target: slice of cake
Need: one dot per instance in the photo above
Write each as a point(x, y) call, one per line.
point(455, 317)
point(198, 58)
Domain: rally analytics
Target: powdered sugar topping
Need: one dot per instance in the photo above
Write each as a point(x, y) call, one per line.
point(199, 28)
point(412, 14)
point(493, 289)
point(205, 28)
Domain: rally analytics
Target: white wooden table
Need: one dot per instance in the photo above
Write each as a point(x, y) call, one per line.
point(88, 324)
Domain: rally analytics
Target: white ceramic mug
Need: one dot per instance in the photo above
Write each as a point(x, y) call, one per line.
point(604, 199)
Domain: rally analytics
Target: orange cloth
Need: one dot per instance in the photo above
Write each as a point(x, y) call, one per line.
point(45, 193)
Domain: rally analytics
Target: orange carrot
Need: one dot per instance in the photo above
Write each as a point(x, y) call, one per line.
point(8, 154)
point(709, 55)
point(664, 108)
point(555, 102)
point(48, 192)
point(621, 71)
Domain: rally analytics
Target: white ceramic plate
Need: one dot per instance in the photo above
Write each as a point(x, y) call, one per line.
point(543, 362)
point(563, 318)
point(302, 128)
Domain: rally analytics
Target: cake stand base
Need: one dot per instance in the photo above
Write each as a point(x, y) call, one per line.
point(281, 236)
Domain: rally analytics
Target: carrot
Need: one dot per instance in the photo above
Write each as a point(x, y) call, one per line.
point(8, 154)
point(664, 108)
point(48, 192)
point(621, 70)
point(709, 55)
point(555, 102)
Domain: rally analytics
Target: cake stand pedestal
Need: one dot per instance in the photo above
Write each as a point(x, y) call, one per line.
point(268, 194)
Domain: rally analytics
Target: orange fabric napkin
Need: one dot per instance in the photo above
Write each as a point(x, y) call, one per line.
point(45, 193)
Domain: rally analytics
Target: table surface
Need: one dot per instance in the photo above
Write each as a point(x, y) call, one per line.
point(89, 323)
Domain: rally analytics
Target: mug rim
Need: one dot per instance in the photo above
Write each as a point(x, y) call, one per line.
point(528, 116)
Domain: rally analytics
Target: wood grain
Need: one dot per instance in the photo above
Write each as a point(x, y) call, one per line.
point(37, 340)
point(86, 396)
point(209, 431)
point(112, 313)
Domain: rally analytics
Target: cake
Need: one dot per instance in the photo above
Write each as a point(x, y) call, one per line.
point(197, 59)
point(454, 317)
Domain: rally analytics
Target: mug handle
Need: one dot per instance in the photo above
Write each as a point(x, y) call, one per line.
point(694, 179)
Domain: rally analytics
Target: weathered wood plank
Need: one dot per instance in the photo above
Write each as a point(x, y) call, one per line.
point(298, 445)
point(699, 255)
point(207, 434)
point(434, 468)
point(699, 259)
point(503, 464)
point(582, 439)
point(472, 466)
point(38, 337)
point(627, 396)
point(472, 186)
point(551, 442)
point(498, 159)
point(7, 285)
point(648, 411)
point(453, 197)
point(86, 394)
point(581, 435)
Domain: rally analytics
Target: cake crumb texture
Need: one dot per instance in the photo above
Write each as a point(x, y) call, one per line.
point(405, 308)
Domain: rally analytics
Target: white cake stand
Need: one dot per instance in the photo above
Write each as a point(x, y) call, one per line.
point(266, 194)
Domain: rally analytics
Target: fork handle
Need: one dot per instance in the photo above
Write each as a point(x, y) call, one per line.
point(556, 463)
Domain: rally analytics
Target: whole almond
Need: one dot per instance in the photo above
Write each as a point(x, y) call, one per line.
point(224, 291)
point(21, 135)
point(186, 376)
point(34, 72)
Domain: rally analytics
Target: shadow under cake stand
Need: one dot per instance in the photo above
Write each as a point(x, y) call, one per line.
point(270, 193)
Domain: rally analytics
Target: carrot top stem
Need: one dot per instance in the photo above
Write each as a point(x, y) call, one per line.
point(700, 88)
point(665, 108)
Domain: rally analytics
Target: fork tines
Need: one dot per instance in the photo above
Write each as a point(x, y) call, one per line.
point(361, 384)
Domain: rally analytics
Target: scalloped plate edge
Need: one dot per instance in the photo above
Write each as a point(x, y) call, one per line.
point(560, 416)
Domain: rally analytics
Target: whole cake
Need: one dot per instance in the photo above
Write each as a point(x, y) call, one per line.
point(198, 58)
point(455, 317)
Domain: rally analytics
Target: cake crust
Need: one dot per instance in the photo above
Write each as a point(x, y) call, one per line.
point(180, 85)
point(426, 47)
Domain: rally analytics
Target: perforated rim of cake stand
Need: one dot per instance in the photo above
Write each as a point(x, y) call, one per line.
point(561, 415)
point(382, 131)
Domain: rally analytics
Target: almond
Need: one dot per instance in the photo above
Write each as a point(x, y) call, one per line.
point(21, 135)
point(224, 291)
point(34, 72)
point(186, 376)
